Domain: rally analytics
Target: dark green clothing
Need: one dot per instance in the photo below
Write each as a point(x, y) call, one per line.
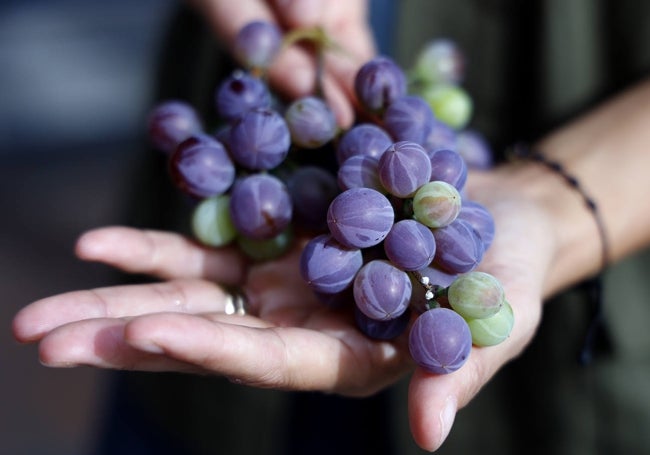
point(531, 65)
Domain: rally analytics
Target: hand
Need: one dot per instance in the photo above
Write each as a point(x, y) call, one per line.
point(290, 340)
point(294, 71)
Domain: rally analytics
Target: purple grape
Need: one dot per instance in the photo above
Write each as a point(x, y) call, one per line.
point(311, 122)
point(448, 166)
point(442, 136)
point(378, 83)
point(201, 167)
point(260, 139)
point(327, 266)
point(366, 139)
point(404, 168)
point(381, 290)
point(475, 149)
point(410, 245)
point(437, 276)
point(239, 93)
point(257, 43)
point(480, 218)
point(260, 206)
point(171, 122)
point(440, 341)
point(360, 217)
point(459, 248)
point(359, 171)
point(312, 190)
point(409, 118)
point(382, 330)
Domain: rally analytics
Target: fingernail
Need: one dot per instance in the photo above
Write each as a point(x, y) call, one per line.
point(447, 416)
point(148, 346)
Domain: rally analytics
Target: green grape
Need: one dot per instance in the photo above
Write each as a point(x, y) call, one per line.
point(476, 295)
point(266, 249)
point(450, 103)
point(436, 204)
point(211, 222)
point(493, 330)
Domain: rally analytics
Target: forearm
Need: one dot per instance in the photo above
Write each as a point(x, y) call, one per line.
point(608, 151)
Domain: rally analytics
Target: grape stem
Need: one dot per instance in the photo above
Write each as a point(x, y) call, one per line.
point(433, 291)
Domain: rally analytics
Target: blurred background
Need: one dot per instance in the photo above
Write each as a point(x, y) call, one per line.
point(76, 80)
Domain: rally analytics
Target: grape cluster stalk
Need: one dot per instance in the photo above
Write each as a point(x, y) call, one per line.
point(392, 232)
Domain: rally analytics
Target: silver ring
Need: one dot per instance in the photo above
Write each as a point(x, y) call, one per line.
point(236, 302)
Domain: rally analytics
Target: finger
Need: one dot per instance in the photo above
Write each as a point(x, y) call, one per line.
point(100, 343)
point(191, 296)
point(273, 357)
point(228, 17)
point(161, 254)
point(435, 399)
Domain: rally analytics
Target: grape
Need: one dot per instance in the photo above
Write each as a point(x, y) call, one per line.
point(266, 249)
point(311, 122)
point(492, 330)
point(409, 118)
point(382, 330)
point(459, 248)
point(441, 60)
point(410, 245)
point(450, 104)
point(436, 204)
point(260, 206)
point(480, 218)
point(171, 122)
point(475, 149)
point(327, 266)
point(211, 222)
point(378, 83)
point(442, 136)
point(476, 295)
point(360, 217)
point(312, 189)
point(440, 341)
point(381, 290)
point(366, 139)
point(359, 171)
point(260, 139)
point(201, 167)
point(403, 168)
point(341, 299)
point(448, 166)
point(257, 43)
point(239, 93)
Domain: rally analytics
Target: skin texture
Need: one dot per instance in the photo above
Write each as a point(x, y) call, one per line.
point(546, 240)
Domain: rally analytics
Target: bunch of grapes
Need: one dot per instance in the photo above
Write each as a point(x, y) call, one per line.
point(383, 201)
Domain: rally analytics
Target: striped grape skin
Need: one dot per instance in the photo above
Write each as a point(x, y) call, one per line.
point(410, 245)
point(476, 295)
point(448, 166)
point(480, 218)
point(381, 290)
point(239, 93)
point(311, 122)
point(403, 168)
point(459, 248)
point(257, 43)
point(475, 149)
point(171, 122)
point(379, 82)
point(359, 171)
point(409, 118)
point(366, 139)
point(440, 341)
point(260, 139)
point(211, 222)
point(200, 166)
point(494, 329)
point(360, 217)
point(260, 206)
point(327, 266)
point(442, 136)
point(436, 204)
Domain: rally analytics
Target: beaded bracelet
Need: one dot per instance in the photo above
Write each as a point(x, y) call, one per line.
point(596, 330)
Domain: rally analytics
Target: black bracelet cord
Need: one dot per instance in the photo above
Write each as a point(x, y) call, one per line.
point(594, 286)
